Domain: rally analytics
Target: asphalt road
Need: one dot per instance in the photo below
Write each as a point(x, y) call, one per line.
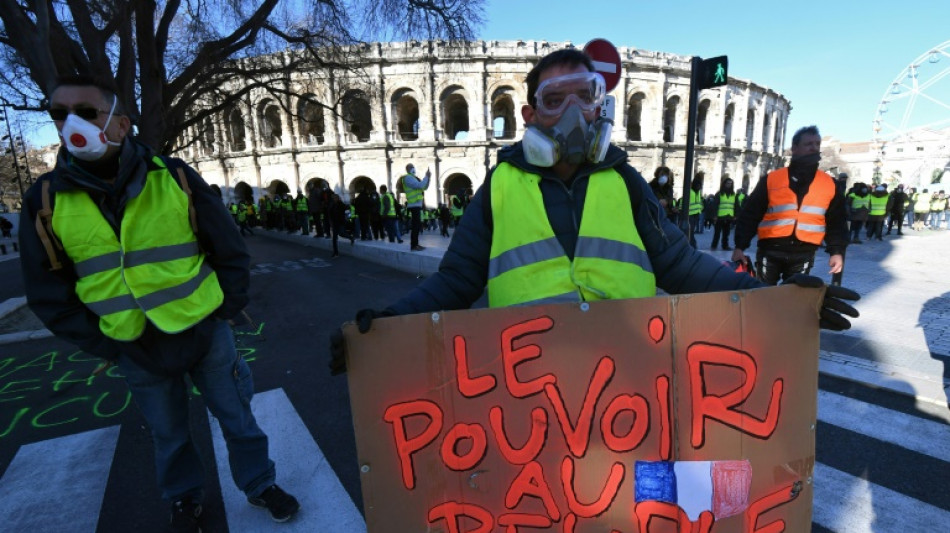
point(298, 295)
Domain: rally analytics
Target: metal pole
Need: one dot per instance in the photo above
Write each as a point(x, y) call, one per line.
point(16, 163)
point(26, 159)
point(692, 112)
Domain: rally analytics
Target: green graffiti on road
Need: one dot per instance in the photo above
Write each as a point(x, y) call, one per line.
point(55, 389)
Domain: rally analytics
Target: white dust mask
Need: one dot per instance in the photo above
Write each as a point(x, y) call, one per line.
point(83, 139)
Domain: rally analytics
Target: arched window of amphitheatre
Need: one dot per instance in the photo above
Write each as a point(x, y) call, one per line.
point(455, 115)
point(406, 113)
point(727, 124)
point(749, 128)
point(503, 114)
point(765, 132)
point(777, 133)
point(635, 118)
point(207, 136)
point(357, 117)
point(310, 118)
point(669, 118)
point(234, 127)
point(701, 115)
point(269, 119)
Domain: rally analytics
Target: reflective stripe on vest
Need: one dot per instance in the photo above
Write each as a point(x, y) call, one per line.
point(727, 205)
point(783, 216)
point(695, 202)
point(154, 270)
point(412, 195)
point(528, 264)
point(302, 204)
point(878, 205)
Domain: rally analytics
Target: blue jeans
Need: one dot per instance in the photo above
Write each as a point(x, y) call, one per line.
point(225, 383)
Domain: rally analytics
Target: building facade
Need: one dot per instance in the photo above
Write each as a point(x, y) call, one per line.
point(449, 108)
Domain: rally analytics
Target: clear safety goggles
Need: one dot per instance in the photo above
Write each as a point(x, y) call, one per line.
point(586, 89)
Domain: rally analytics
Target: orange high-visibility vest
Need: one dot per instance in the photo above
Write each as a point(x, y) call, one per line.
point(784, 216)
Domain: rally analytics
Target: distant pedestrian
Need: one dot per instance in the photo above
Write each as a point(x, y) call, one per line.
point(415, 191)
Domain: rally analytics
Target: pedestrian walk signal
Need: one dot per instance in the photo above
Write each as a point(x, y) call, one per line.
point(715, 72)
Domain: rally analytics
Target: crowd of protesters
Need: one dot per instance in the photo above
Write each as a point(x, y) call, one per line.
point(371, 215)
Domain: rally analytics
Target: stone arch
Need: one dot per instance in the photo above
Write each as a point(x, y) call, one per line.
point(315, 184)
point(311, 125)
point(749, 127)
point(776, 137)
point(206, 136)
point(503, 113)
point(635, 116)
point(276, 187)
point(455, 182)
point(405, 114)
point(702, 114)
point(243, 192)
point(268, 116)
point(728, 119)
point(234, 129)
point(360, 184)
point(670, 113)
point(357, 116)
point(455, 120)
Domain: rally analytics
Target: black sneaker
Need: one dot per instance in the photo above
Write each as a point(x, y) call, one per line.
point(186, 516)
point(282, 506)
point(417, 248)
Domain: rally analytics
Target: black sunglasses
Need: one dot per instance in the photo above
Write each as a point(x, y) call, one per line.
point(85, 113)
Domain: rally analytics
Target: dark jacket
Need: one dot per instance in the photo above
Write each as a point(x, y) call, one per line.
point(51, 294)
point(836, 219)
point(897, 201)
point(463, 273)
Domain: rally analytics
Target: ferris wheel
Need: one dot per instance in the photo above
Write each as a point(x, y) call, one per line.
point(912, 122)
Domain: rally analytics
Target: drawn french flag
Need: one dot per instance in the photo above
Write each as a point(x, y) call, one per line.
point(696, 486)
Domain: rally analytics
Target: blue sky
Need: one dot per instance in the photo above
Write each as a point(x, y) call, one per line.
point(833, 59)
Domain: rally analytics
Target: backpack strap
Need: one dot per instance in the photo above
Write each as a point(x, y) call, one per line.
point(192, 216)
point(44, 229)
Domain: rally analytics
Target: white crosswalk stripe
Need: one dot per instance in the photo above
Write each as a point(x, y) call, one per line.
point(301, 469)
point(847, 504)
point(922, 436)
point(58, 484)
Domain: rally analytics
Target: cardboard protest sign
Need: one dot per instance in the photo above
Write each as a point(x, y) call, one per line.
point(661, 414)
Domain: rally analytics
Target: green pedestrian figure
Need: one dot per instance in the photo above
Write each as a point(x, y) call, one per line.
point(720, 74)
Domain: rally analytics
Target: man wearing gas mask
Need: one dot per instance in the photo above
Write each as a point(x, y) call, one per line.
point(133, 258)
point(792, 211)
point(563, 217)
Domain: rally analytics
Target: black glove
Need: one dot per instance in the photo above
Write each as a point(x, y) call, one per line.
point(364, 320)
point(833, 306)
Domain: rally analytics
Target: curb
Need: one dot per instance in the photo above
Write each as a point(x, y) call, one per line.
point(420, 264)
point(10, 306)
point(904, 381)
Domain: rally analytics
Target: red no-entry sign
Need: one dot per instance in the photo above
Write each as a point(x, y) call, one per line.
point(606, 60)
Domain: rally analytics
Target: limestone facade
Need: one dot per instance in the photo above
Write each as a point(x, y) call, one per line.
point(450, 109)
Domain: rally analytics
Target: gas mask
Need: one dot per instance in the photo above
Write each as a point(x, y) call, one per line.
point(572, 140)
point(83, 139)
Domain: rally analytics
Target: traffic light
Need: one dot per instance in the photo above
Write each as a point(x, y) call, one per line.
point(715, 72)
